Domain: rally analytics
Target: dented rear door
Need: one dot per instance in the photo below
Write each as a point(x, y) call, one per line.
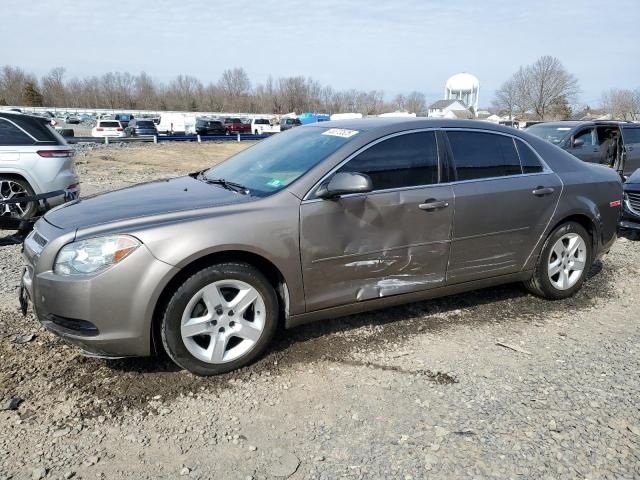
point(387, 242)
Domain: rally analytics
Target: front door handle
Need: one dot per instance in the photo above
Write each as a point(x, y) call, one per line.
point(542, 191)
point(432, 204)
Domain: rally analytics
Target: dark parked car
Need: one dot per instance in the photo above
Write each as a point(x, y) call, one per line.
point(616, 144)
point(325, 220)
point(631, 206)
point(140, 128)
point(289, 123)
point(124, 118)
point(210, 127)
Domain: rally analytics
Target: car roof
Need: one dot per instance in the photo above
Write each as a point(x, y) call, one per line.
point(407, 123)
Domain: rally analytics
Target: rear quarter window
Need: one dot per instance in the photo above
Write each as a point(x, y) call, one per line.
point(631, 135)
point(528, 159)
point(12, 135)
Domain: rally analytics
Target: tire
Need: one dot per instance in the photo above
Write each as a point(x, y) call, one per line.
point(10, 187)
point(257, 133)
point(227, 132)
point(549, 286)
point(216, 342)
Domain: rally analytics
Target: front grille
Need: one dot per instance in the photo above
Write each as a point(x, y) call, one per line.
point(634, 202)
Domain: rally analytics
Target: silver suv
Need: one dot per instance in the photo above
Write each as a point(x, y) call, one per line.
point(34, 159)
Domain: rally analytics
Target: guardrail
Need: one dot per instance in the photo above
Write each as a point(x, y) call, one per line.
point(168, 138)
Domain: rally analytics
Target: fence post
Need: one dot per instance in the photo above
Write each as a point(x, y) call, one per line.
point(106, 140)
point(238, 136)
point(155, 139)
point(199, 140)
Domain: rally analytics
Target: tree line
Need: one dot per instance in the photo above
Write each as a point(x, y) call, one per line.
point(232, 92)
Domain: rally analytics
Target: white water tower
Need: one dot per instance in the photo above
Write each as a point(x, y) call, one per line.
point(464, 87)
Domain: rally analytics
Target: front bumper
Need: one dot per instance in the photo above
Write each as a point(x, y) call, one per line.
point(106, 315)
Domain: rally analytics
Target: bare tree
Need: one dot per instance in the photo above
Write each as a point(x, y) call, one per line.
point(416, 103)
point(548, 83)
point(54, 91)
point(236, 86)
point(506, 98)
point(622, 104)
point(12, 83)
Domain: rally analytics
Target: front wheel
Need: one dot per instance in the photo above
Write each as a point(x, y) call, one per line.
point(563, 264)
point(220, 319)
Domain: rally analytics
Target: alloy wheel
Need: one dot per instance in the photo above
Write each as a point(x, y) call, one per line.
point(11, 190)
point(567, 261)
point(223, 321)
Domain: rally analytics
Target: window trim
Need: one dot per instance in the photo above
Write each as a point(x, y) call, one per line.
point(35, 140)
point(309, 195)
point(546, 170)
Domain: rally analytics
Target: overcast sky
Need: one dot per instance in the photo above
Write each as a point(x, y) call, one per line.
point(396, 46)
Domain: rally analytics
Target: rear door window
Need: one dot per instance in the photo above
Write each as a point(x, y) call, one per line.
point(401, 161)
point(483, 155)
point(12, 135)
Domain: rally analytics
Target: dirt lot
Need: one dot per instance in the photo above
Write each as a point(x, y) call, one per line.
point(419, 391)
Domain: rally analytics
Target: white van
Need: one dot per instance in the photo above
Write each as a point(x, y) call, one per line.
point(177, 124)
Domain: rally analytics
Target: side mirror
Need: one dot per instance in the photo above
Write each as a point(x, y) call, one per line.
point(344, 183)
point(578, 142)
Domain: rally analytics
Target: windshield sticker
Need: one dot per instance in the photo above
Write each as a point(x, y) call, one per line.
point(340, 132)
point(275, 182)
point(563, 128)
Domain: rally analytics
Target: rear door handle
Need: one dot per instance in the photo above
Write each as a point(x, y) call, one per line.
point(431, 205)
point(542, 191)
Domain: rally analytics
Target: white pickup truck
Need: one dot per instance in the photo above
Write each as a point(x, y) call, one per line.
point(260, 126)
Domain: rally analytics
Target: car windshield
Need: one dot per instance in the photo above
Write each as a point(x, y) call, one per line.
point(272, 164)
point(550, 133)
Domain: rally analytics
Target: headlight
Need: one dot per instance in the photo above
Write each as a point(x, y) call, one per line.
point(94, 254)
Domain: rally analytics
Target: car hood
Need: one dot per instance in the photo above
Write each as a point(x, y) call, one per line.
point(147, 199)
point(634, 179)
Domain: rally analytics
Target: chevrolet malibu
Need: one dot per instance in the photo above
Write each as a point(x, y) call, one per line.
point(324, 220)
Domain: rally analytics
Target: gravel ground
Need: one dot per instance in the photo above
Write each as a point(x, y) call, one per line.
point(418, 391)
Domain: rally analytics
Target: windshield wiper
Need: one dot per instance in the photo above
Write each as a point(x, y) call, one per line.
point(233, 186)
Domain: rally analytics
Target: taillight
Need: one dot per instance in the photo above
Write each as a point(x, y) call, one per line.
point(119, 129)
point(99, 129)
point(55, 153)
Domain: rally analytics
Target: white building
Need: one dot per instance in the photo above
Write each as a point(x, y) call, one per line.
point(444, 108)
point(464, 87)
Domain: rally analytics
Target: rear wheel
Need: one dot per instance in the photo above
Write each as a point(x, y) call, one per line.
point(12, 189)
point(563, 264)
point(220, 319)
